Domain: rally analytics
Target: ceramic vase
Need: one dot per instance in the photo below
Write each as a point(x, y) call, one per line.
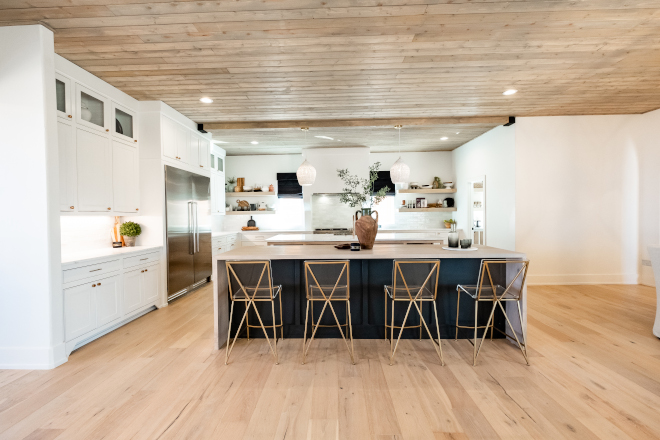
point(366, 228)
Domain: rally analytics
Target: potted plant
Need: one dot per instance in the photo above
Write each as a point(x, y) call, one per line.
point(229, 186)
point(449, 222)
point(360, 192)
point(130, 230)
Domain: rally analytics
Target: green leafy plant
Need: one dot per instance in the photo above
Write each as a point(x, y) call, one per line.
point(130, 229)
point(231, 180)
point(451, 221)
point(360, 192)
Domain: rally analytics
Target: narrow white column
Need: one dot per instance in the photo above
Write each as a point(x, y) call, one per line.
point(31, 316)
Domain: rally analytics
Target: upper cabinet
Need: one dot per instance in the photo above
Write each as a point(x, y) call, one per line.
point(94, 165)
point(124, 126)
point(204, 153)
point(92, 109)
point(185, 146)
point(125, 178)
point(66, 141)
point(63, 96)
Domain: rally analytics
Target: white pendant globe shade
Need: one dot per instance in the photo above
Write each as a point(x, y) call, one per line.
point(306, 174)
point(399, 172)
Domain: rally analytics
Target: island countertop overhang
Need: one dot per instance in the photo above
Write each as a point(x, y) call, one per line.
point(380, 251)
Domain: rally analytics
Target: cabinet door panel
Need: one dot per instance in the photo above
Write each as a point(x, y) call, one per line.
point(79, 311)
point(124, 123)
point(108, 307)
point(182, 143)
point(132, 290)
point(125, 178)
point(66, 145)
point(92, 109)
point(168, 132)
point(204, 153)
point(63, 96)
point(193, 152)
point(150, 284)
point(94, 171)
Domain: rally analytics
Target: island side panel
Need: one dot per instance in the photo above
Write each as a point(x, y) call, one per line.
point(220, 304)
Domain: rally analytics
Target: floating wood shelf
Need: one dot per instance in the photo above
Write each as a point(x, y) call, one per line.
point(250, 212)
point(427, 191)
point(252, 194)
point(427, 209)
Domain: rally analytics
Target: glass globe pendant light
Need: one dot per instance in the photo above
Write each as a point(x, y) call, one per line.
point(306, 172)
point(400, 172)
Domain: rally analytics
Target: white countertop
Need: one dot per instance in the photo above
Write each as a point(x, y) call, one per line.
point(73, 258)
point(329, 252)
point(331, 238)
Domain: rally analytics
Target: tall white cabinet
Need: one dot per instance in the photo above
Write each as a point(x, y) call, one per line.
point(98, 150)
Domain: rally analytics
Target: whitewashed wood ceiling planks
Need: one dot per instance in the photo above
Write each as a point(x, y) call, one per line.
point(311, 59)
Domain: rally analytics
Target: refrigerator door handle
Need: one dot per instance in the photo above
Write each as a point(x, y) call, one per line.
point(196, 236)
point(191, 242)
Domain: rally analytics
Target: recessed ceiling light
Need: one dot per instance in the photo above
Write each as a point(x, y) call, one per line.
point(219, 142)
point(254, 142)
point(510, 92)
point(206, 100)
point(458, 132)
point(324, 137)
point(444, 138)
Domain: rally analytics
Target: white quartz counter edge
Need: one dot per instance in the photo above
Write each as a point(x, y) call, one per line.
point(329, 252)
point(75, 258)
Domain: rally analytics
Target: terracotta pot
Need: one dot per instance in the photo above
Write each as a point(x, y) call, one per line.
point(130, 241)
point(366, 228)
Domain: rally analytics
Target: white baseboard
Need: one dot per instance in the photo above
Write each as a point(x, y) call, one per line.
point(576, 279)
point(42, 358)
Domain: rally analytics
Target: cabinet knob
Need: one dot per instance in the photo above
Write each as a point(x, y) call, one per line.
point(201, 166)
point(146, 270)
point(98, 284)
point(69, 115)
point(137, 209)
point(71, 207)
point(107, 129)
point(93, 285)
point(135, 140)
point(141, 271)
point(109, 209)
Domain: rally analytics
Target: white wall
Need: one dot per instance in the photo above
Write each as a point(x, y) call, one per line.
point(587, 196)
point(491, 155)
point(31, 315)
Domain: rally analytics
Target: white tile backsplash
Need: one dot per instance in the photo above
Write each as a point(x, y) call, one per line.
point(329, 212)
point(80, 233)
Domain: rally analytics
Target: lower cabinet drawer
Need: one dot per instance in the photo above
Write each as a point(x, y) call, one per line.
point(153, 257)
point(92, 271)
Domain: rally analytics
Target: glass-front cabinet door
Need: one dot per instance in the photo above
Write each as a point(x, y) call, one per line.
point(221, 164)
point(63, 96)
point(124, 123)
point(92, 109)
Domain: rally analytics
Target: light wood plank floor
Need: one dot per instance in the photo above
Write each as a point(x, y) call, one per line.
point(595, 374)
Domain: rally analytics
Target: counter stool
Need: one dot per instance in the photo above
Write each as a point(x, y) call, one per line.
point(489, 288)
point(414, 281)
point(328, 281)
point(251, 282)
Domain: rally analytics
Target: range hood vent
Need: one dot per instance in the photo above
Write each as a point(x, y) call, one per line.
point(288, 186)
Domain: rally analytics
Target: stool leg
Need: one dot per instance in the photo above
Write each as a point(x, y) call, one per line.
point(392, 333)
point(247, 320)
point(476, 327)
point(458, 305)
point(231, 315)
point(305, 333)
point(421, 309)
point(272, 304)
point(350, 328)
point(437, 328)
point(385, 314)
point(281, 320)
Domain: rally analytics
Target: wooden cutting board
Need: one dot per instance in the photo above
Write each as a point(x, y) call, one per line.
point(249, 228)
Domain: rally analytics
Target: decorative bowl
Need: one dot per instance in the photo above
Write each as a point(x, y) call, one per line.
point(448, 185)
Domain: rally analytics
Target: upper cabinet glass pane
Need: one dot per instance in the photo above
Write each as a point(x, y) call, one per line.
point(91, 109)
point(221, 164)
point(212, 161)
point(60, 92)
point(123, 123)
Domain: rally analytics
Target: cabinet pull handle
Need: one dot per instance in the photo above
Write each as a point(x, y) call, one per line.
point(71, 207)
point(108, 209)
point(146, 270)
point(135, 140)
point(141, 271)
point(69, 115)
point(142, 259)
point(107, 129)
point(137, 209)
point(96, 269)
point(93, 285)
point(98, 284)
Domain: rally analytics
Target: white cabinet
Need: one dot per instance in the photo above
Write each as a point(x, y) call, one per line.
point(217, 193)
point(79, 310)
point(204, 153)
point(108, 306)
point(91, 305)
point(66, 145)
point(92, 109)
point(193, 151)
point(124, 123)
point(176, 140)
point(94, 171)
point(63, 95)
point(125, 178)
point(140, 287)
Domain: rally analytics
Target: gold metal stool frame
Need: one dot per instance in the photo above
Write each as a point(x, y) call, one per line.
point(251, 300)
point(413, 300)
point(327, 301)
point(496, 294)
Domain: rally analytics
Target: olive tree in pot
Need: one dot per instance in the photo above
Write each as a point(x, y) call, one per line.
point(130, 230)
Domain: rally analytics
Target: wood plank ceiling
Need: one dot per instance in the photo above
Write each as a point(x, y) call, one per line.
point(346, 59)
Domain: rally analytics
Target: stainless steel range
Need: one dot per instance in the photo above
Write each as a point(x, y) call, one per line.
point(334, 231)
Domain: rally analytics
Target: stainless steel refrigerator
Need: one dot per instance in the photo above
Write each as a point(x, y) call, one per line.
point(188, 205)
